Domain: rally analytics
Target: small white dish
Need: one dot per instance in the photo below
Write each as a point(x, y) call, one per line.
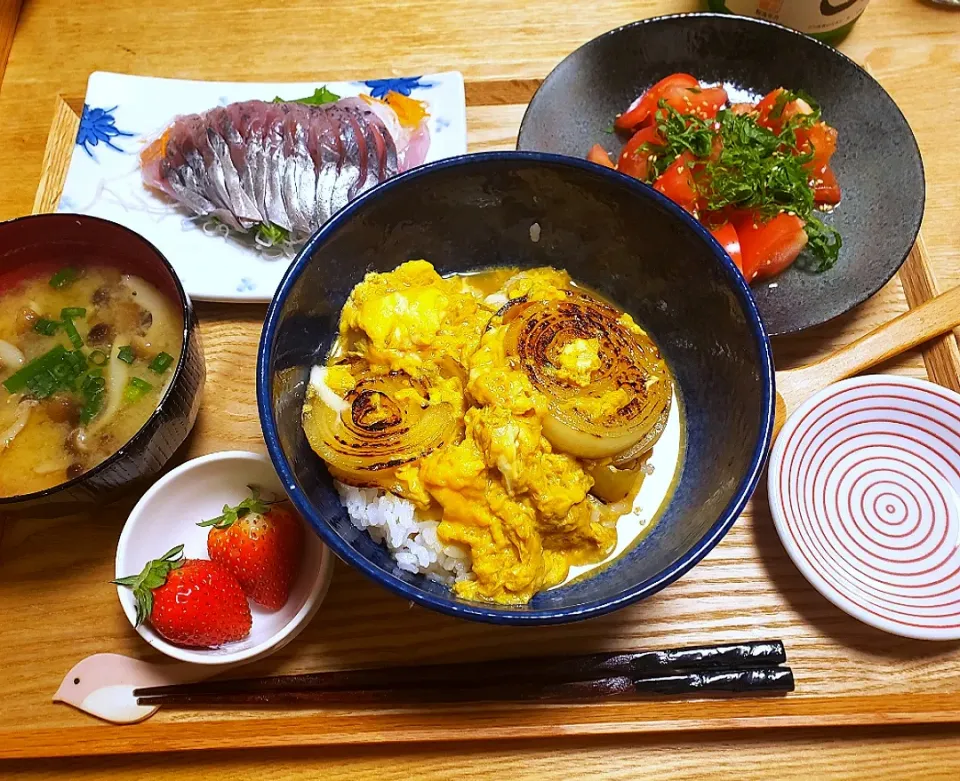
point(864, 486)
point(167, 516)
point(121, 113)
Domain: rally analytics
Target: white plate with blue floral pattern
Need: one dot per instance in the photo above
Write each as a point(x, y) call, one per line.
point(122, 113)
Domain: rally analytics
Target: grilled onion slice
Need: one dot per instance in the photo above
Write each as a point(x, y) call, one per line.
point(612, 483)
point(624, 403)
point(383, 423)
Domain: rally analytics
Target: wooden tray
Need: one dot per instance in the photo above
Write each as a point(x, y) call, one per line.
point(57, 605)
point(9, 13)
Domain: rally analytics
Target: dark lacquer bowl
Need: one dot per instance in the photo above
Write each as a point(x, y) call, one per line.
point(55, 240)
point(611, 233)
point(877, 162)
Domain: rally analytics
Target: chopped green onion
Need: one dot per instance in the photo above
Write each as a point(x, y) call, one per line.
point(52, 371)
point(271, 235)
point(98, 358)
point(65, 372)
point(161, 363)
point(17, 381)
point(73, 312)
point(64, 277)
point(46, 327)
point(78, 360)
point(92, 390)
point(72, 334)
point(92, 408)
point(136, 389)
point(43, 385)
point(126, 355)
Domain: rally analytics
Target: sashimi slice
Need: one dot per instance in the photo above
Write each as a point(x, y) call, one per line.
point(286, 165)
point(406, 120)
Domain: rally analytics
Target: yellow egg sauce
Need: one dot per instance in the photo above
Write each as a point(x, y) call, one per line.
point(101, 380)
point(488, 400)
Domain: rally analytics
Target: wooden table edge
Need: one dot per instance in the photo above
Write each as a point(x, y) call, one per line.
point(319, 728)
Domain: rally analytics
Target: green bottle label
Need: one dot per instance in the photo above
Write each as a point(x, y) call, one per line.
point(815, 17)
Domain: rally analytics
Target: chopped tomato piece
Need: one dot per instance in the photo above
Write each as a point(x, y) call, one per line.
point(773, 110)
point(598, 155)
point(825, 187)
point(765, 107)
point(641, 109)
point(635, 158)
point(821, 139)
point(726, 234)
point(678, 184)
point(768, 247)
point(701, 102)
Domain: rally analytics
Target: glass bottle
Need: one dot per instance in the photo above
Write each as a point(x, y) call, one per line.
point(828, 20)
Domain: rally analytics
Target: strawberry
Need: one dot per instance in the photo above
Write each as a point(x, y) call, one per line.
point(261, 544)
point(191, 602)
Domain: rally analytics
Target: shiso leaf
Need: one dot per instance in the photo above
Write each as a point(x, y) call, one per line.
point(320, 97)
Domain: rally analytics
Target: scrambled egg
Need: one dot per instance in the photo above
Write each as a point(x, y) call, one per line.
point(578, 360)
point(523, 510)
point(412, 319)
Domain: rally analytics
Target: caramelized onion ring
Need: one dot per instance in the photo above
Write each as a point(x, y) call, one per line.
point(385, 422)
point(613, 484)
point(632, 387)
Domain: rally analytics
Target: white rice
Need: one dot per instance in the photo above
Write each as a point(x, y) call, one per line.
point(412, 541)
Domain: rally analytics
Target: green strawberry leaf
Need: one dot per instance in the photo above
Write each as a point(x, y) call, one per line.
point(252, 504)
point(153, 576)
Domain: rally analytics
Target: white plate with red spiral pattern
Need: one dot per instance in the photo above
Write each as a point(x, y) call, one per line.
point(864, 486)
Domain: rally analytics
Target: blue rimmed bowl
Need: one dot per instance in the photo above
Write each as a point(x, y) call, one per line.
point(611, 233)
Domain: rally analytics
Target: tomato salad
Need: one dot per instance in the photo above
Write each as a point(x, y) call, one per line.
point(754, 174)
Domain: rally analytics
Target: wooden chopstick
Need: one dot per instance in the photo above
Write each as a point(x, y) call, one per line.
point(560, 669)
point(752, 680)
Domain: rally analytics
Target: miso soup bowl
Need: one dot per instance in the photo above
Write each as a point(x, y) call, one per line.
point(55, 240)
point(613, 234)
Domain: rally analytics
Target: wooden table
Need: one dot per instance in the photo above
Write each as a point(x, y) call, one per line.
point(502, 48)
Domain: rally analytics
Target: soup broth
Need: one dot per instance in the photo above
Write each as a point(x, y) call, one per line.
point(86, 354)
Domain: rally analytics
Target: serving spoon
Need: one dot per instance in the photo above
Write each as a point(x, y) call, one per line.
point(932, 318)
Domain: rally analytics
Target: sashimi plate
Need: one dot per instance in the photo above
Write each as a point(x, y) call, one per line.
point(122, 114)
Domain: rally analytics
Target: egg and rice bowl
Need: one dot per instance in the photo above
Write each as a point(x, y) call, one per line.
point(490, 429)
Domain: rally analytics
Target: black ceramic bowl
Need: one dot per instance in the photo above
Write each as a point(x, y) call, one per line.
point(877, 161)
point(56, 240)
point(612, 234)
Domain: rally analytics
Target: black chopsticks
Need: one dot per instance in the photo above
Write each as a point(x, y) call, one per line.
point(752, 668)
